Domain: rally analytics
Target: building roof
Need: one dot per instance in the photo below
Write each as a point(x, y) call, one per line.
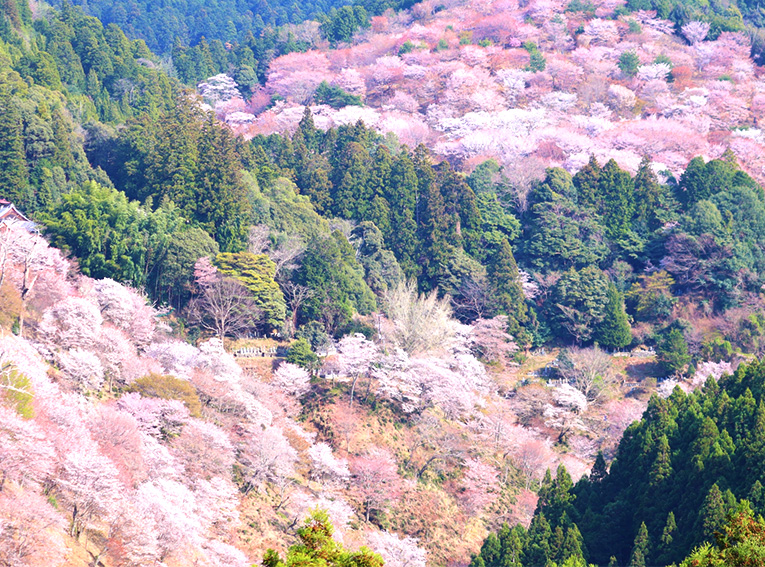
point(10, 215)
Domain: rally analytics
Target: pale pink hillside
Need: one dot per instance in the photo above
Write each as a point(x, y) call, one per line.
point(434, 446)
point(470, 102)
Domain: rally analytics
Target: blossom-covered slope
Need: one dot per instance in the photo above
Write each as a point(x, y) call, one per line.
point(124, 445)
point(458, 76)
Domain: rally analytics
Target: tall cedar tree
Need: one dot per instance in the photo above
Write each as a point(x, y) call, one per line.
point(586, 182)
point(402, 198)
point(613, 332)
point(433, 223)
point(506, 290)
point(14, 180)
point(222, 205)
point(616, 192)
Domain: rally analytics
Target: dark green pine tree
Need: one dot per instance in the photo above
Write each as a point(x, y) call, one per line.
point(757, 497)
point(618, 200)
point(648, 192)
point(613, 332)
point(586, 183)
point(673, 352)
point(667, 537)
point(512, 542)
point(14, 176)
point(435, 248)
point(573, 545)
point(537, 550)
point(379, 184)
point(599, 469)
point(402, 198)
point(351, 197)
point(662, 467)
point(506, 290)
point(491, 551)
point(640, 548)
point(556, 498)
point(220, 194)
point(308, 131)
point(711, 514)
point(694, 184)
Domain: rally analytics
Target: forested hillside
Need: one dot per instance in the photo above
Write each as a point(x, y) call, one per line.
point(397, 269)
point(677, 475)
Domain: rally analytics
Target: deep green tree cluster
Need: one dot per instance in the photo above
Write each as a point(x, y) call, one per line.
point(57, 74)
point(418, 219)
point(185, 158)
point(317, 548)
point(227, 21)
point(677, 475)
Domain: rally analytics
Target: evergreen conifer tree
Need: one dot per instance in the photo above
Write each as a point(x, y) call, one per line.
point(14, 179)
point(613, 332)
point(506, 290)
point(640, 548)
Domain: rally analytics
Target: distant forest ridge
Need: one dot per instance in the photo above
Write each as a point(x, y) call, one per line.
point(160, 24)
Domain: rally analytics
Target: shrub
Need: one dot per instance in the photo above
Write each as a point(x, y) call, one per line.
point(629, 63)
point(168, 387)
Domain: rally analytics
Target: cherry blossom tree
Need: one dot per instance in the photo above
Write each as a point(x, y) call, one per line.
point(127, 310)
point(264, 455)
point(119, 438)
point(564, 416)
point(356, 355)
point(695, 32)
point(325, 466)
point(375, 480)
point(589, 370)
point(491, 341)
point(292, 379)
point(159, 418)
point(89, 484)
point(73, 323)
point(224, 307)
point(26, 456)
point(204, 449)
point(82, 367)
point(398, 551)
point(481, 486)
point(30, 530)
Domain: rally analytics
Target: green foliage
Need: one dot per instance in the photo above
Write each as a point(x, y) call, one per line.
point(335, 96)
point(629, 63)
point(579, 301)
point(613, 332)
point(677, 473)
point(168, 387)
point(672, 351)
point(16, 390)
point(740, 542)
point(635, 27)
point(330, 269)
point(640, 548)
point(300, 353)
point(173, 278)
point(317, 548)
point(506, 291)
point(111, 237)
point(314, 333)
point(343, 22)
point(581, 6)
point(537, 61)
point(650, 298)
point(406, 47)
point(256, 272)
